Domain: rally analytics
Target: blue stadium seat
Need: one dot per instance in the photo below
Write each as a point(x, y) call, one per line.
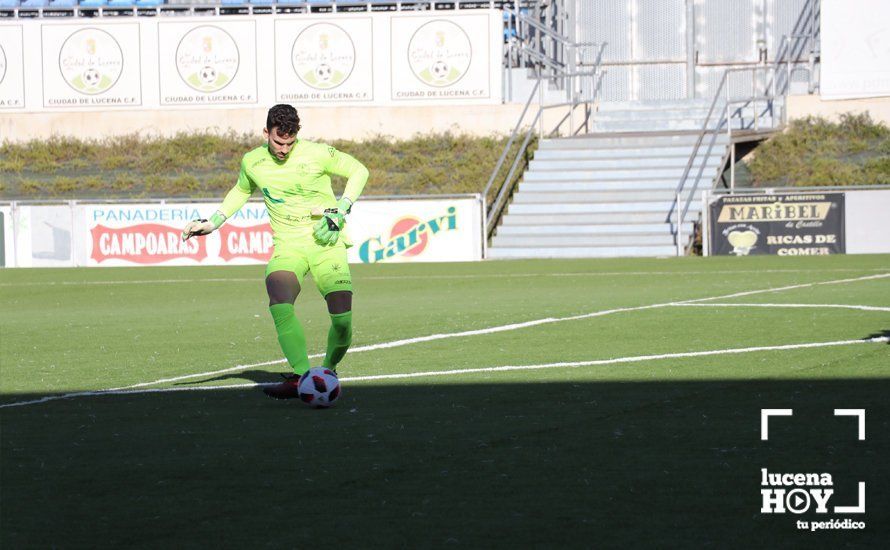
point(63, 3)
point(9, 3)
point(262, 2)
point(92, 3)
point(35, 3)
point(233, 2)
point(120, 3)
point(149, 3)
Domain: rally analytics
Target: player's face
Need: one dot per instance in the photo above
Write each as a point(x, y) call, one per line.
point(279, 144)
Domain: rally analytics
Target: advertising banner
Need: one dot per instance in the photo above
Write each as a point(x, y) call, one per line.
point(12, 76)
point(440, 58)
point(416, 231)
point(207, 64)
point(324, 60)
point(5, 229)
point(779, 224)
point(435, 230)
point(89, 66)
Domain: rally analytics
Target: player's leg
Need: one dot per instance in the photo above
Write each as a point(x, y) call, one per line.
point(331, 273)
point(283, 276)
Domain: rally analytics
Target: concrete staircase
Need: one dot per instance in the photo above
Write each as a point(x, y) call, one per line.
point(609, 193)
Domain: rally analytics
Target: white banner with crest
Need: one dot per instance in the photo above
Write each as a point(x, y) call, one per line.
point(91, 65)
point(203, 63)
point(324, 60)
point(12, 75)
point(158, 63)
point(441, 58)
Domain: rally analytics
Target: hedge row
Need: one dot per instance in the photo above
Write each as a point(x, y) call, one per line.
point(205, 165)
point(816, 152)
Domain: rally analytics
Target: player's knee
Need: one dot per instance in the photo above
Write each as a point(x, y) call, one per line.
point(282, 288)
point(339, 302)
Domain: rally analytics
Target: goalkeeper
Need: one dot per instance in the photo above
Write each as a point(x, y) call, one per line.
point(307, 221)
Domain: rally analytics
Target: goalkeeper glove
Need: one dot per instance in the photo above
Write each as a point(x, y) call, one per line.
point(203, 227)
point(327, 230)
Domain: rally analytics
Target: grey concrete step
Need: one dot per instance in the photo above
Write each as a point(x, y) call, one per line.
point(558, 228)
point(635, 141)
point(638, 174)
point(623, 153)
point(669, 184)
point(579, 240)
point(699, 113)
point(673, 124)
point(616, 219)
point(697, 103)
point(607, 164)
point(662, 207)
point(581, 252)
point(600, 196)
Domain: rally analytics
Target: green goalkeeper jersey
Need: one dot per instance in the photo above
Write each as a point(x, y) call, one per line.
point(293, 187)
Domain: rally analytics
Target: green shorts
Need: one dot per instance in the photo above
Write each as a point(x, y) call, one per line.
point(327, 264)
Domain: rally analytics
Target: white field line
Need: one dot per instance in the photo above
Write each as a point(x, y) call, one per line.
point(791, 287)
point(402, 376)
point(490, 330)
point(409, 277)
point(837, 306)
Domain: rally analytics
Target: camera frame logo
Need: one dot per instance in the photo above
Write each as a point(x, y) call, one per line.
point(207, 58)
point(323, 56)
point(798, 493)
point(439, 53)
point(91, 61)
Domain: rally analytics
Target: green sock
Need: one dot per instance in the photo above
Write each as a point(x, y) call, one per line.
point(290, 336)
point(339, 338)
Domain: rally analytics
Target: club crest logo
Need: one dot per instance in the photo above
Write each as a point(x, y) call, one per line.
point(323, 56)
point(439, 53)
point(207, 58)
point(91, 61)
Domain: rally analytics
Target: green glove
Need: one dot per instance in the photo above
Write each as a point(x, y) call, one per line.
point(327, 230)
point(203, 227)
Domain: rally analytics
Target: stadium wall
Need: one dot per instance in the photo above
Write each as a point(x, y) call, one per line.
point(800, 106)
point(322, 123)
point(94, 78)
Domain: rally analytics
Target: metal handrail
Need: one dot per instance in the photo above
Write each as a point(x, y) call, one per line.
point(548, 31)
point(493, 210)
point(535, 89)
point(727, 119)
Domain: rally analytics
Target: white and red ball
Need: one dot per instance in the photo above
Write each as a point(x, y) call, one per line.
point(319, 388)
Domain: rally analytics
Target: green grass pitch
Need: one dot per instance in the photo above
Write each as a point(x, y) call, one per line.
point(584, 448)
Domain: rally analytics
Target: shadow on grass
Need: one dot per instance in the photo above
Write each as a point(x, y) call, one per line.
point(667, 464)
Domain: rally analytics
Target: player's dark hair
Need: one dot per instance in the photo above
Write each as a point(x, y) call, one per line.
point(285, 118)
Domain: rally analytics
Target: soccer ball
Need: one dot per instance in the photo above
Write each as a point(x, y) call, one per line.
point(323, 72)
point(207, 75)
point(440, 70)
point(91, 77)
point(319, 388)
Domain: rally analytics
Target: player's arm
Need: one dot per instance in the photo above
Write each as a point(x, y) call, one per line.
point(327, 230)
point(235, 199)
point(345, 165)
